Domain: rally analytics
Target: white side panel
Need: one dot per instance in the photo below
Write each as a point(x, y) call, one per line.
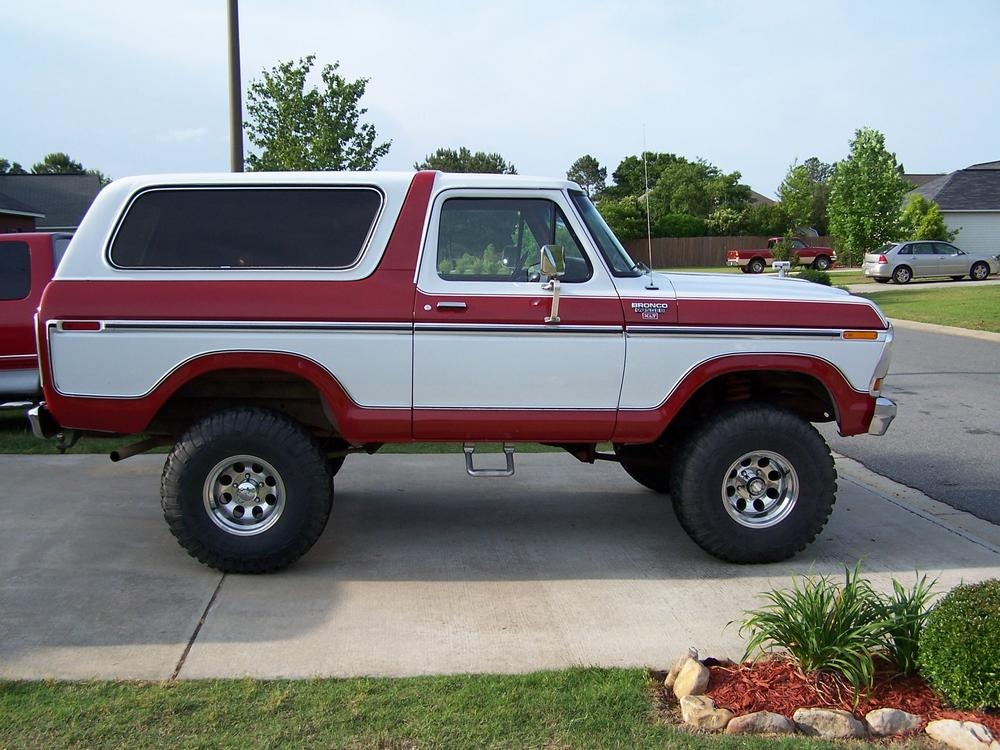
point(978, 231)
point(657, 363)
point(372, 366)
point(518, 370)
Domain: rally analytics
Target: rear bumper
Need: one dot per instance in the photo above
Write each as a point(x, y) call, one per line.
point(885, 412)
point(43, 424)
point(877, 270)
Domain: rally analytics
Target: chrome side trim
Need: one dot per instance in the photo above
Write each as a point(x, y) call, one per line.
point(633, 330)
point(509, 328)
point(885, 412)
point(249, 326)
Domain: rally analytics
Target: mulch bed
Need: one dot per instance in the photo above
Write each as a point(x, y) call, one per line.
point(778, 686)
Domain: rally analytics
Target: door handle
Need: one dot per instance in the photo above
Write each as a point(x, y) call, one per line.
point(451, 305)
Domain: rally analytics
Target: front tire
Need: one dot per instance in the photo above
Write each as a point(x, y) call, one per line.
point(822, 263)
point(246, 490)
point(979, 271)
point(755, 484)
point(647, 465)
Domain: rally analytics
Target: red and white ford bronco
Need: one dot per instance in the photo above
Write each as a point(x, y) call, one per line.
point(268, 325)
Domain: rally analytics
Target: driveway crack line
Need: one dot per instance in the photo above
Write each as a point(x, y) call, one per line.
point(197, 629)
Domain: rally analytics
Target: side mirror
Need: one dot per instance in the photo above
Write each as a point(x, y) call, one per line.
point(553, 263)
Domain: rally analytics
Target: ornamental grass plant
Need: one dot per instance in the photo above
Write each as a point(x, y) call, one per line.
point(825, 625)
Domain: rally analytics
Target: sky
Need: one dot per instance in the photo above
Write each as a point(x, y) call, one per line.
point(140, 87)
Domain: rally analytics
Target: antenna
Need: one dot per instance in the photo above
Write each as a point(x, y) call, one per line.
point(649, 224)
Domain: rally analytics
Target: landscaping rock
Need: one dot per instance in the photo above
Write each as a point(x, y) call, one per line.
point(829, 723)
point(886, 721)
point(761, 722)
point(699, 711)
point(962, 735)
point(692, 653)
point(692, 679)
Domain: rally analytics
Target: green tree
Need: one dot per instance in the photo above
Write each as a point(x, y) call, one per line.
point(464, 160)
point(805, 194)
point(11, 167)
point(626, 217)
point(726, 221)
point(697, 188)
point(768, 219)
point(866, 191)
point(630, 176)
point(298, 128)
point(679, 225)
point(61, 163)
point(922, 220)
point(58, 163)
point(588, 173)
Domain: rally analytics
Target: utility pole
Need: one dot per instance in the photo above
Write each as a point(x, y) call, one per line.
point(235, 91)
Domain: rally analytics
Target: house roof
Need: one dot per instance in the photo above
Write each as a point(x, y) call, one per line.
point(920, 179)
point(757, 199)
point(62, 199)
point(975, 188)
point(9, 205)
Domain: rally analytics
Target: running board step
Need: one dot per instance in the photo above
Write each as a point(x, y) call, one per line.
point(470, 448)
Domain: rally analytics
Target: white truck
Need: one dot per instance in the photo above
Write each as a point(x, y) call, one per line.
point(269, 325)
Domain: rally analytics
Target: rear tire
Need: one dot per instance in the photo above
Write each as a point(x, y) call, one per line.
point(756, 266)
point(649, 467)
point(979, 272)
point(755, 484)
point(902, 275)
point(246, 490)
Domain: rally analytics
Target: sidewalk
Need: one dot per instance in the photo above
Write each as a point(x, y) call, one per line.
point(421, 570)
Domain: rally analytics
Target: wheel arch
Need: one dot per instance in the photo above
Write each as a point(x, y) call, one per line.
point(807, 385)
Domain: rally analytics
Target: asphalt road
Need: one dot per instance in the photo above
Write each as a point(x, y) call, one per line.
point(945, 440)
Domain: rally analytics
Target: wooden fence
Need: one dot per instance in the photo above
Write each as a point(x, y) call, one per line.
point(699, 252)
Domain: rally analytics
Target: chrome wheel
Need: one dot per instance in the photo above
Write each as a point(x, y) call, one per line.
point(760, 489)
point(244, 495)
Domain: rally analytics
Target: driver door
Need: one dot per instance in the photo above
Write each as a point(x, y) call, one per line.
point(486, 363)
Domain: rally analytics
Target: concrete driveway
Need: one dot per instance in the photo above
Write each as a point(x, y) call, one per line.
point(421, 570)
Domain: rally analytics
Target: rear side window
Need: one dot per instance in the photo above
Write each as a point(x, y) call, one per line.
point(246, 228)
point(15, 270)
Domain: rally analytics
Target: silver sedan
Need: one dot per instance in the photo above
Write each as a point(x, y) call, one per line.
point(902, 261)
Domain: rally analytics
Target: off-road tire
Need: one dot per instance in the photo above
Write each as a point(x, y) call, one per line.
point(284, 446)
point(702, 470)
point(650, 467)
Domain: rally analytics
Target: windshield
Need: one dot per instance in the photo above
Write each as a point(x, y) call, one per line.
point(618, 259)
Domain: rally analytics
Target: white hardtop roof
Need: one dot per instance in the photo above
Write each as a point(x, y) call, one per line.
point(442, 180)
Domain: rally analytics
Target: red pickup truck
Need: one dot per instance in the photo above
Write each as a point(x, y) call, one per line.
point(27, 262)
point(755, 260)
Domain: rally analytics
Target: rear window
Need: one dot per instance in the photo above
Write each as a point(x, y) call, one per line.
point(246, 228)
point(15, 270)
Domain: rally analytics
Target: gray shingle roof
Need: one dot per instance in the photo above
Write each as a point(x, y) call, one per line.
point(976, 188)
point(9, 205)
point(62, 198)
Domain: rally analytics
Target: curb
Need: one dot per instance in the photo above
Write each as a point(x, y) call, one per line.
point(947, 330)
point(972, 528)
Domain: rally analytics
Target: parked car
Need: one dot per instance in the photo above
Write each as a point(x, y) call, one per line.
point(27, 262)
point(803, 254)
point(902, 261)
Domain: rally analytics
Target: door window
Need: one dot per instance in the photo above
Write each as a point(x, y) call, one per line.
point(499, 239)
point(923, 248)
point(15, 270)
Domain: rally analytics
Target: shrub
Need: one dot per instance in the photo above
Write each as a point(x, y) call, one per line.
point(822, 625)
point(904, 614)
point(678, 225)
point(960, 646)
point(814, 275)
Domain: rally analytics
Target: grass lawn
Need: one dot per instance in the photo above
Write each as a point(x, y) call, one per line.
point(969, 306)
point(575, 708)
point(839, 276)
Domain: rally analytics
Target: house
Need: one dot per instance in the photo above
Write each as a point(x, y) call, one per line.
point(45, 202)
point(970, 204)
